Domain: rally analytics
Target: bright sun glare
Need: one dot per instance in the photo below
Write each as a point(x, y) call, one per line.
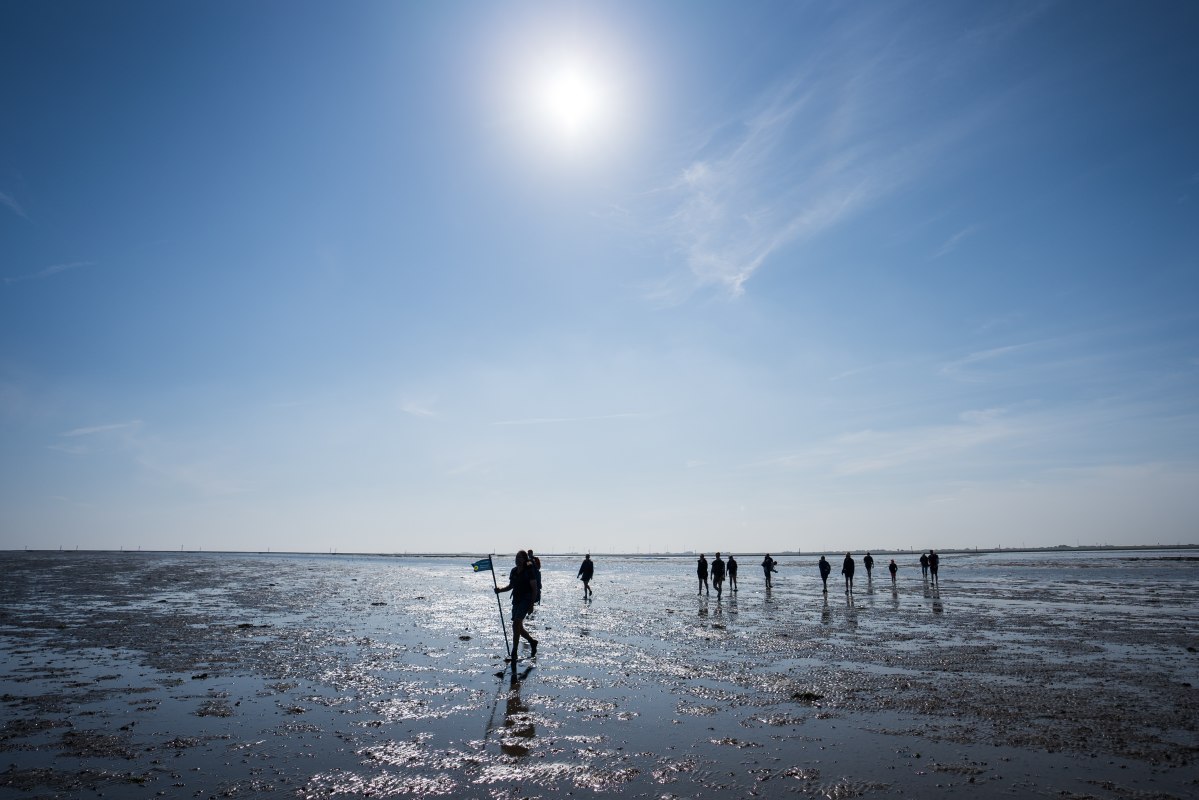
point(568, 93)
point(571, 103)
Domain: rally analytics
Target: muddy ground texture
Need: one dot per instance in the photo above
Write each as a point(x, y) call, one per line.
point(209, 675)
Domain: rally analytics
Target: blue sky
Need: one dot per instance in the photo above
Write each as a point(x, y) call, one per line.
point(391, 277)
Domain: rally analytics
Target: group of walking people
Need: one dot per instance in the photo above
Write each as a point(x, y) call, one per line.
point(928, 562)
point(722, 569)
point(524, 581)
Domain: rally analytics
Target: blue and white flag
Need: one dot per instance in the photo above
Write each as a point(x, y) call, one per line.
point(482, 563)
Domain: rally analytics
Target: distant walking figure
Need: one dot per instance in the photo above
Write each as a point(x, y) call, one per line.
point(701, 569)
point(893, 568)
point(718, 575)
point(586, 570)
point(732, 565)
point(523, 585)
point(934, 561)
point(825, 569)
point(767, 568)
point(924, 566)
point(847, 570)
point(868, 563)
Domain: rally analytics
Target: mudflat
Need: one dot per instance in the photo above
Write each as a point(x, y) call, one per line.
point(242, 675)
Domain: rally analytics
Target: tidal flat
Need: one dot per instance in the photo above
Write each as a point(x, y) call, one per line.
point(202, 675)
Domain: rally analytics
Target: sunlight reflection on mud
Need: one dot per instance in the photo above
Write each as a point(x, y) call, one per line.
point(257, 676)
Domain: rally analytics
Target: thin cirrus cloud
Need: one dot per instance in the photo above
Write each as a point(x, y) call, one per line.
point(77, 439)
point(94, 429)
point(952, 242)
point(814, 152)
point(559, 420)
point(872, 451)
point(71, 449)
point(959, 367)
point(11, 203)
point(739, 205)
point(49, 271)
point(418, 409)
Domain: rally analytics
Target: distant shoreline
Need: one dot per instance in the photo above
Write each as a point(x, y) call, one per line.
point(682, 554)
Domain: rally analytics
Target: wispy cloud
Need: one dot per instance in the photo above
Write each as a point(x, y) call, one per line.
point(845, 130)
point(958, 366)
point(814, 152)
point(862, 370)
point(867, 451)
point(71, 449)
point(418, 409)
point(952, 242)
point(90, 431)
point(13, 205)
point(59, 498)
point(203, 478)
point(559, 420)
point(50, 271)
point(477, 467)
point(756, 192)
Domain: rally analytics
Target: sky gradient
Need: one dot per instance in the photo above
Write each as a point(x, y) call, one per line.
point(388, 277)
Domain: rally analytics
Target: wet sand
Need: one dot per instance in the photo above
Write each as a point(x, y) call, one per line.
point(208, 675)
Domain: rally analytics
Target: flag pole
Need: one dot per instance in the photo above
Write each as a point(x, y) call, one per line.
point(504, 625)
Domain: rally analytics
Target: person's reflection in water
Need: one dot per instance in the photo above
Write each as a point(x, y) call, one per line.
point(851, 612)
point(937, 607)
point(894, 597)
point(826, 615)
point(518, 722)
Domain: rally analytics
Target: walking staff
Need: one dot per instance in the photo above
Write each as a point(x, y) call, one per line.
point(486, 563)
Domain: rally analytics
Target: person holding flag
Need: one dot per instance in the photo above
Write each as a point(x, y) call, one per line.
point(522, 582)
point(485, 564)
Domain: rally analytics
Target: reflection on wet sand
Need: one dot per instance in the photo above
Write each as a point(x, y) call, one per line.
point(932, 593)
point(519, 729)
point(316, 677)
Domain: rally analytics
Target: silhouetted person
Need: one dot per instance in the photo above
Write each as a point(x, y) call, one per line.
point(732, 565)
point(767, 568)
point(924, 566)
point(718, 575)
point(586, 570)
point(825, 569)
point(868, 563)
point(893, 568)
point(934, 561)
point(535, 565)
point(523, 584)
point(701, 570)
point(847, 570)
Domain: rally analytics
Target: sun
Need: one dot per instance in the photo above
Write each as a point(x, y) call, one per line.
point(566, 94)
point(571, 101)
